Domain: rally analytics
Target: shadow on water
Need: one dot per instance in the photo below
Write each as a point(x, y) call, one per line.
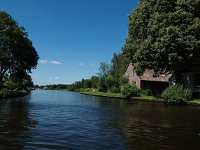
point(147, 125)
point(15, 123)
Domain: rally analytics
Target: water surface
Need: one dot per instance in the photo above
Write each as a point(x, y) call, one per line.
point(66, 120)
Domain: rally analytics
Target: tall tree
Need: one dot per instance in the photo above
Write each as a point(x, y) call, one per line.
point(164, 35)
point(119, 65)
point(104, 70)
point(17, 53)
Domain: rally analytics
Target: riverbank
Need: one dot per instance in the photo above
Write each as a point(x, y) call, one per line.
point(142, 98)
point(101, 94)
point(13, 93)
point(120, 96)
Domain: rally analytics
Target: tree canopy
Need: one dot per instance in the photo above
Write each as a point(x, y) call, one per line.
point(17, 54)
point(164, 35)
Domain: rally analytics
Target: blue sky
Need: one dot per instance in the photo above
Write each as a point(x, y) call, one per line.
point(72, 37)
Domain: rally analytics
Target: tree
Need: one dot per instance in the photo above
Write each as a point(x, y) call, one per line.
point(164, 35)
point(119, 65)
point(94, 81)
point(111, 82)
point(104, 70)
point(17, 53)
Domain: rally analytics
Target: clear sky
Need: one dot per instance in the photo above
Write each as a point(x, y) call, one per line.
point(71, 37)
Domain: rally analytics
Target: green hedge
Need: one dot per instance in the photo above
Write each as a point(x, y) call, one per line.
point(130, 90)
point(176, 94)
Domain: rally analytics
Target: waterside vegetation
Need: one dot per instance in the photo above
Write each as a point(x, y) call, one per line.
point(17, 58)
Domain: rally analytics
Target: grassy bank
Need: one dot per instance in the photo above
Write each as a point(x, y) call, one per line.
point(142, 98)
point(118, 95)
point(196, 100)
point(13, 93)
point(112, 95)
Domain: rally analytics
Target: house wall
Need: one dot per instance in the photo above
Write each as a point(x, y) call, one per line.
point(132, 76)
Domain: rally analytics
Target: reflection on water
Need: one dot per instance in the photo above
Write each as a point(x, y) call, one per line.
point(66, 120)
point(15, 122)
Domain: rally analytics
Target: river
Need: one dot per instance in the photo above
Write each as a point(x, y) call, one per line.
point(63, 120)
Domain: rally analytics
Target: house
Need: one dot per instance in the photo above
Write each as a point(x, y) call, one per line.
point(160, 82)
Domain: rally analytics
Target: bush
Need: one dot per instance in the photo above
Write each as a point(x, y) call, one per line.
point(146, 92)
point(4, 93)
point(123, 80)
point(102, 85)
point(114, 90)
point(176, 94)
point(130, 90)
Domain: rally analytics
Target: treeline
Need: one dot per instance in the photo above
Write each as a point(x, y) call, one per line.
point(109, 78)
point(52, 87)
point(17, 58)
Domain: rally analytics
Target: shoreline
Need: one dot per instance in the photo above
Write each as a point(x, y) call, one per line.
point(14, 94)
point(153, 100)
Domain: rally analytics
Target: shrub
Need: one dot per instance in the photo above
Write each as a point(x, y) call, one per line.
point(4, 93)
point(176, 94)
point(146, 92)
point(123, 80)
point(114, 90)
point(130, 90)
point(102, 85)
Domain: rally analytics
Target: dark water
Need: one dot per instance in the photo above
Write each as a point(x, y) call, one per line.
point(66, 120)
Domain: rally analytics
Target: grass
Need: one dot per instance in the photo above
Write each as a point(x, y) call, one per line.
point(196, 100)
point(147, 97)
point(141, 98)
point(115, 95)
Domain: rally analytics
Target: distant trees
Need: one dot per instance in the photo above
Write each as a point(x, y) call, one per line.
point(17, 54)
point(164, 35)
point(84, 84)
point(53, 87)
point(119, 64)
point(109, 78)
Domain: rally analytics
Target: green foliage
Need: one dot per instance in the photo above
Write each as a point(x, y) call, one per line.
point(10, 85)
point(115, 90)
point(164, 35)
point(146, 92)
point(110, 77)
point(104, 70)
point(102, 86)
point(111, 82)
point(130, 90)
point(91, 83)
point(176, 94)
point(123, 80)
point(4, 93)
point(119, 65)
point(54, 87)
point(17, 55)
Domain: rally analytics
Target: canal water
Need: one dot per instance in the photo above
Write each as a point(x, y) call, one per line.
point(65, 120)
